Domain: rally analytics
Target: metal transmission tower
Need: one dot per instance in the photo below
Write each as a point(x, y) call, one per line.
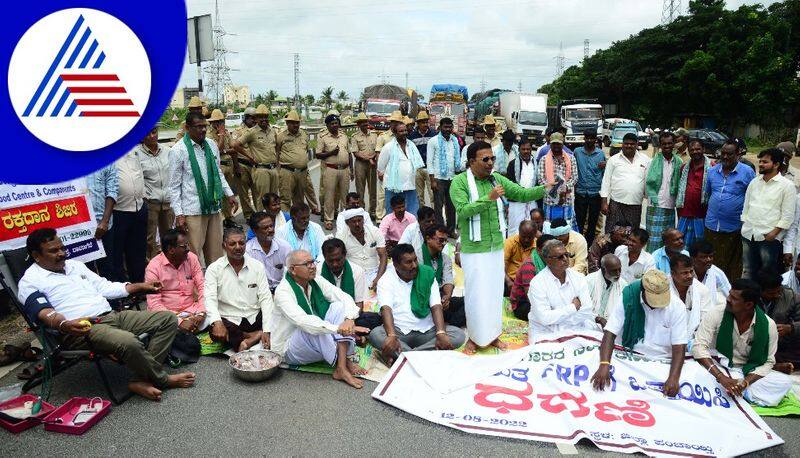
point(483, 84)
point(560, 60)
point(219, 74)
point(519, 86)
point(297, 82)
point(586, 48)
point(670, 11)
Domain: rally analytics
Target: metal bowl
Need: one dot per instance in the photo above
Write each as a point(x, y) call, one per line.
point(255, 375)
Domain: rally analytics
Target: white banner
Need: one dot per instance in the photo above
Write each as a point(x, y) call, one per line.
point(544, 393)
point(18, 195)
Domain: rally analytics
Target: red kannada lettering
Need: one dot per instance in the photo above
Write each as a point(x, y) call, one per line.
point(503, 405)
point(557, 403)
point(636, 413)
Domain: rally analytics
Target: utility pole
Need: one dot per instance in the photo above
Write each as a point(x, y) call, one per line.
point(519, 86)
point(483, 84)
point(586, 48)
point(218, 72)
point(297, 82)
point(670, 11)
point(560, 60)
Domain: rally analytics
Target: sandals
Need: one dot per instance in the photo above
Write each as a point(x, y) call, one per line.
point(24, 352)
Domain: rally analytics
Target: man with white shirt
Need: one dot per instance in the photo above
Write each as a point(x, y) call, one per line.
point(748, 338)
point(313, 320)
point(702, 254)
point(154, 158)
point(398, 163)
point(522, 171)
point(444, 162)
point(414, 234)
point(559, 297)
point(605, 287)
point(661, 186)
point(352, 200)
point(238, 300)
point(505, 152)
point(343, 274)
point(271, 252)
point(366, 246)
point(411, 308)
point(692, 292)
point(769, 204)
point(69, 299)
point(634, 258)
point(622, 189)
point(301, 233)
point(196, 197)
point(651, 321)
point(130, 221)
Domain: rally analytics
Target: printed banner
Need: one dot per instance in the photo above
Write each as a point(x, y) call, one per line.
point(544, 393)
point(65, 207)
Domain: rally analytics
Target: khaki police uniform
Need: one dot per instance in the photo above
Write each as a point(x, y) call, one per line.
point(226, 164)
point(293, 153)
point(262, 147)
point(365, 171)
point(334, 173)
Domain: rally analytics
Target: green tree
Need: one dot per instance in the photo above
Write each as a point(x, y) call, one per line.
point(342, 96)
point(326, 98)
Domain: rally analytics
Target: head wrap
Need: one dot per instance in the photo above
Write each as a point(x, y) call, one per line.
point(555, 231)
point(352, 213)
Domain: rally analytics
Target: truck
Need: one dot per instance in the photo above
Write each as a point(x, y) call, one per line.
point(487, 103)
point(526, 114)
point(449, 100)
point(380, 100)
point(577, 116)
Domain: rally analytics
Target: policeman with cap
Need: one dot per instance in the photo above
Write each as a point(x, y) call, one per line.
point(362, 146)
point(333, 151)
point(292, 149)
point(259, 145)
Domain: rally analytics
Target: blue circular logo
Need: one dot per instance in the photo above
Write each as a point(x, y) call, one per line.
point(85, 83)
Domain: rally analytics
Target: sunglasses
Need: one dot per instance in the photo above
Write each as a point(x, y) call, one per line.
point(489, 158)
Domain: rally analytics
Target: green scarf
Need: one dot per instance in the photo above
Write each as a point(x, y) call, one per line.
point(319, 305)
point(421, 291)
point(759, 348)
point(427, 259)
point(348, 283)
point(653, 179)
point(211, 196)
point(633, 330)
point(537, 260)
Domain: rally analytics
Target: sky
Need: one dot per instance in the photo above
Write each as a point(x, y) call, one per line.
point(356, 43)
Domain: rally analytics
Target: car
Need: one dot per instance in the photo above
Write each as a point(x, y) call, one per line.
point(233, 120)
point(620, 130)
point(608, 127)
point(711, 139)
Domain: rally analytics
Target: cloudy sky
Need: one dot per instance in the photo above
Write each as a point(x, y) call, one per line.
point(355, 43)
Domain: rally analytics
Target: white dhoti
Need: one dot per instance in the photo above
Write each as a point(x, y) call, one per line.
point(305, 348)
point(517, 213)
point(766, 391)
point(370, 276)
point(484, 275)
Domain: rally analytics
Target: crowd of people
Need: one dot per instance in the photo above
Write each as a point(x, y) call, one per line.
point(712, 271)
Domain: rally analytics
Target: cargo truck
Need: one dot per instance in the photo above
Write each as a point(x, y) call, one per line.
point(525, 114)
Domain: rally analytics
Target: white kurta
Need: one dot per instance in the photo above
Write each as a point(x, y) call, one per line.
point(699, 301)
point(520, 211)
point(552, 309)
point(597, 290)
point(483, 295)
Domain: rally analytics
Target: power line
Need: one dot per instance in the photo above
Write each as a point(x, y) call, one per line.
point(297, 82)
point(218, 72)
point(560, 60)
point(586, 48)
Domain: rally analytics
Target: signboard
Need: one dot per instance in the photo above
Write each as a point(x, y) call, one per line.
point(65, 207)
point(199, 31)
point(544, 393)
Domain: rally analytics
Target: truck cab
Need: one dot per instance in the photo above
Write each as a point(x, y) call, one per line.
point(619, 130)
point(378, 112)
point(577, 116)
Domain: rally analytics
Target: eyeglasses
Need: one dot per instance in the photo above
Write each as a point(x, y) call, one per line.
point(489, 158)
point(308, 264)
point(185, 246)
point(440, 239)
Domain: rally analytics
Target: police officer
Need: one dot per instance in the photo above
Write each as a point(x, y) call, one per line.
point(335, 168)
point(362, 146)
point(259, 143)
point(292, 146)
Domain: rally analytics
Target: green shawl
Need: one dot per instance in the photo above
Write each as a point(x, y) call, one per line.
point(211, 195)
point(633, 330)
point(319, 305)
point(348, 282)
point(759, 348)
point(421, 291)
point(653, 179)
point(427, 260)
point(537, 260)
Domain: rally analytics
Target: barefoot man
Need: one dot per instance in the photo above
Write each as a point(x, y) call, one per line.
point(313, 320)
point(70, 299)
point(479, 196)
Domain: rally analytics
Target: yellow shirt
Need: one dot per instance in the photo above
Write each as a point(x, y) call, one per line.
point(328, 143)
point(261, 144)
point(515, 254)
point(577, 248)
point(293, 149)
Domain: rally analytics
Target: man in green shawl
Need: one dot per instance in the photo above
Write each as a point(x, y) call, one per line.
point(314, 321)
point(748, 339)
point(661, 187)
point(432, 254)
point(411, 309)
point(197, 187)
point(651, 321)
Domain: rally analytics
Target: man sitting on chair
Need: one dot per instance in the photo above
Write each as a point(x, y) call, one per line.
point(69, 298)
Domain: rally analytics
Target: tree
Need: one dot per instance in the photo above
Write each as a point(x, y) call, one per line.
point(342, 96)
point(326, 98)
point(309, 99)
point(270, 98)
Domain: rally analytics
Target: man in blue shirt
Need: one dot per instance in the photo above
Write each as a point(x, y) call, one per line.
point(103, 188)
point(420, 137)
point(726, 184)
point(591, 164)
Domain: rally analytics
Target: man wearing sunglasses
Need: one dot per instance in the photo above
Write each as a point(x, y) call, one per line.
point(479, 196)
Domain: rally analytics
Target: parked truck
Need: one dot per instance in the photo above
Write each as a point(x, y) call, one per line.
point(577, 116)
point(380, 100)
point(525, 114)
point(487, 103)
point(449, 100)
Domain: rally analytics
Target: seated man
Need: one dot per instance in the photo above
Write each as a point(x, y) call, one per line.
point(702, 254)
point(695, 296)
point(634, 258)
point(302, 233)
point(414, 234)
point(313, 320)
point(650, 321)
point(411, 309)
point(558, 295)
point(343, 274)
point(65, 296)
point(272, 205)
point(518, 248)
point(673, 245)
point(518, 297)
point(791, 278)
point(783, 306)
point(605, 287)
point(365, 244)
point(432, 255)
point(748, 338)
point(352, 201)
point(178, 271)
point(393, 225)
point(271, 252)
point(238, 300)
point(607, 244)
point(574, 243)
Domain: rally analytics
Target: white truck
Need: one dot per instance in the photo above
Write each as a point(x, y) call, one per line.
point(577, 116)
point(525, 113)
